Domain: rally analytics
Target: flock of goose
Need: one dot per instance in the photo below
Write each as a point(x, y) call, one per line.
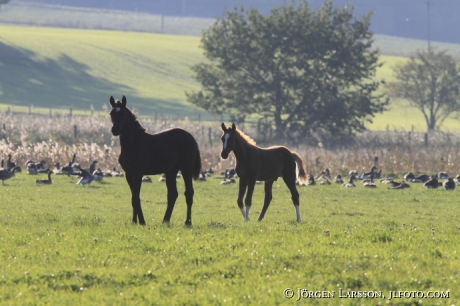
point(86, 176)
point(440, 179)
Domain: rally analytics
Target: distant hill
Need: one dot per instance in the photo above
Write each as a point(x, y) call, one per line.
point(436, 20)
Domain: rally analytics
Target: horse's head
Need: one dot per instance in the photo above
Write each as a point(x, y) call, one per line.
point(118, 115)
point(228, 140)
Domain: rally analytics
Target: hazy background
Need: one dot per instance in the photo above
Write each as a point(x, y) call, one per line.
point(421, 19)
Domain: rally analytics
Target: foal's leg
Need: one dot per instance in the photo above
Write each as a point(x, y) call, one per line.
point(241, 191)
point(172, 194)
point(188, 196)
point(134, 183)
point(248, 199)
point(268, 197)
point(290, 179)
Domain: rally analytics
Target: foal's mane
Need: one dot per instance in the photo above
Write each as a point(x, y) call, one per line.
point(245, 137)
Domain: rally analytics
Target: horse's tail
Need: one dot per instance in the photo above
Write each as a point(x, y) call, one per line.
point(197, 164)
point(302, 171)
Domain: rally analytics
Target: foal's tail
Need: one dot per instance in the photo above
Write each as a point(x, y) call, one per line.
point(302, 172)
point(197, 165)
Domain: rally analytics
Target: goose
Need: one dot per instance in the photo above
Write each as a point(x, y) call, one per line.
point(116, 173)
point(9, 163)
point(353, 173)
point(202, 177)
point(432, 183)
point(386, 180)
point(146, 179)
point(325, 182)
point(75, 166)
point(67, 169)
point(325, 174)
point(6, 174)
point(422, 178)
point(350, 183)
point(85, 177)
point(457, 178)
point(443, 175)
point(369, 184)
point(209, 172)
point(338, 179)
point(92, 167)
point(34, 168)
point(310, 180)
point(162, 178)
point(45, 182)
point(228, 181)
point(409, 176)
point(399, 185)
point(367, 175)
point(98, 175)
point(449, 184)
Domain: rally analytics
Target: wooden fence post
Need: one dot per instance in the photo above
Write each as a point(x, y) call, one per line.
point(209, 136)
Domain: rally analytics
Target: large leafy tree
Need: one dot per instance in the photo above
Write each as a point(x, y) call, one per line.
point(430, 81)
point(302, 70)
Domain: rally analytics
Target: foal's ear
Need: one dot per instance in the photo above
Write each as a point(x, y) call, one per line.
point(233, 127)
point(112, 101)
point(224, 128)
point(123, 101)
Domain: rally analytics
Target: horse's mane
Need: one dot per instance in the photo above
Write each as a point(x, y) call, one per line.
point(246, 137)
point(136, 123)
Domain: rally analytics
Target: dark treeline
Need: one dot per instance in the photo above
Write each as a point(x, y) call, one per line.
point(436, 20)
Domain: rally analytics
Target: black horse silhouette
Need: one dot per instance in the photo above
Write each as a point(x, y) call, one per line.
point(166, 152)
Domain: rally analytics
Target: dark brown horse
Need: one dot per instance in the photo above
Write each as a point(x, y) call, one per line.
point(261, 164)
point(166, 152)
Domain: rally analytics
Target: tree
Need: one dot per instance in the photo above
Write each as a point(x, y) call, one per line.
point(301, 70)
point(430, 81)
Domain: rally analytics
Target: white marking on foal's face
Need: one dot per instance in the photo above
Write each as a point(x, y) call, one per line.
point(117, 109)
point(226, 137)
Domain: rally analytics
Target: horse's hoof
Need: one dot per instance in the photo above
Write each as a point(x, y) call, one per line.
point(188, 223)
point(247, 220)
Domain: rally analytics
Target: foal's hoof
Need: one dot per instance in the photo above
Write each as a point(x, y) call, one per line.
point(188, 223)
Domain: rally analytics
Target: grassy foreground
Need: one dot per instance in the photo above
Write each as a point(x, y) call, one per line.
point(66, 244)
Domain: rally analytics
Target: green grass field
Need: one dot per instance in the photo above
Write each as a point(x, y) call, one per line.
point(66, 244)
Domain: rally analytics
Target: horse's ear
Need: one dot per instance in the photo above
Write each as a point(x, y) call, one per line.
point(224, 128)
point(233, 127)
point(123, 101)
point(112, 101)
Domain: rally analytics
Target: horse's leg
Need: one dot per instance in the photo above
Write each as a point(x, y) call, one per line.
point(172, 193)
point(248, 199)
point(241, 191)
point(268, 197)
point(188, 195)
point(290, 178)
point(134, 183)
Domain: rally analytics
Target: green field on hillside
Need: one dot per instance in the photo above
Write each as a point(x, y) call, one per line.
point(59, 68)
point(66, 244)
point(63, 68)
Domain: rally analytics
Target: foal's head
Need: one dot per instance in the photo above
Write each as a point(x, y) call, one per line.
point(118, 115)
point(228, 140)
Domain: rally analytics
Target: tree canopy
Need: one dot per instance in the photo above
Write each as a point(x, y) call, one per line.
point(430, 81)
point(303, 71)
